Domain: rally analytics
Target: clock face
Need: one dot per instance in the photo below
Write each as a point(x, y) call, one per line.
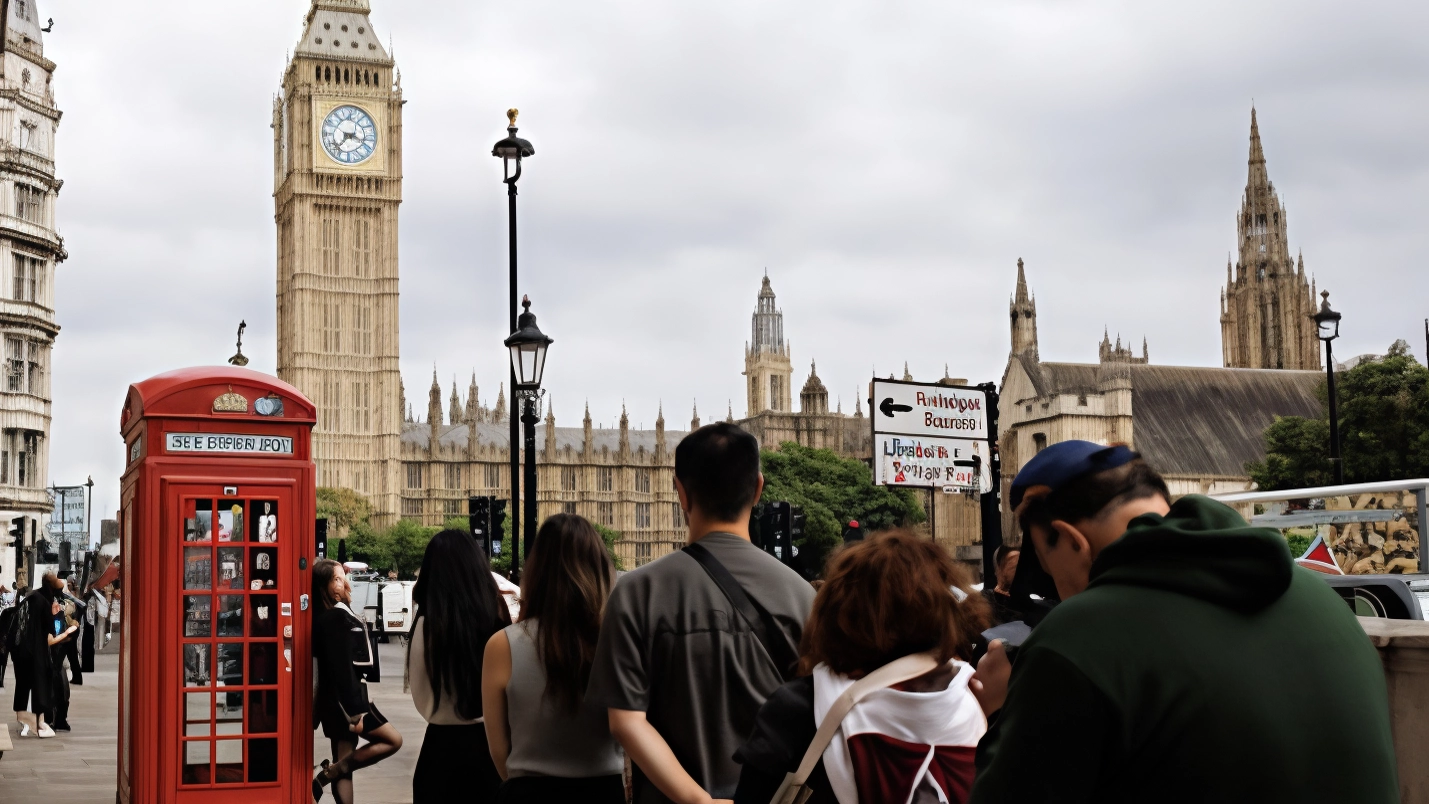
point(348, 135)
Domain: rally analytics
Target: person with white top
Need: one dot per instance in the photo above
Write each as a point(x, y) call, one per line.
point(458, 608)
point(883, 599)
point(546, 743)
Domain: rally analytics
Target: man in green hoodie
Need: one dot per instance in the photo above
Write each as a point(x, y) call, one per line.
point(1189, 661)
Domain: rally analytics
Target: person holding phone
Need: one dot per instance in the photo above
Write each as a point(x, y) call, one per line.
point(60, 638)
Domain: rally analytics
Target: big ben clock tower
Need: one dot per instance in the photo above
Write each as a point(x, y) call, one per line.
point(337, 177)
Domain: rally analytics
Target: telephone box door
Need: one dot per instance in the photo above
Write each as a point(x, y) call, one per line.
point(230, 681)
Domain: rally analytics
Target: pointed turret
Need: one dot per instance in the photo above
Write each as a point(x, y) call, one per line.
point(402, 405)
point(434, 411)
point(624, 431)
point(1023, 312)
point(550, 443)
point(1257, 153)
point(588, 444)
point(695, 416)
point(499, 414)
point(660, 433)
point(454, 407)
point(729, 418)
point(906, 376)
point(814, 398)
point(473, 401)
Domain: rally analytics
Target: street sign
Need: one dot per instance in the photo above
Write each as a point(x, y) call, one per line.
point(927, 409)
point(928, 461)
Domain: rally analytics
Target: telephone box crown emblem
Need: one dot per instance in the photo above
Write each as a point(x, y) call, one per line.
point(230, 403)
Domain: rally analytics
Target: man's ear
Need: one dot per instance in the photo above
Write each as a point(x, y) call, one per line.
point(1074, 537)
point(759, 488)
point(684, 497)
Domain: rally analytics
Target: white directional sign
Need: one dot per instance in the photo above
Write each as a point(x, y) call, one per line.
point(923, 461)
point(229, 442)
point(932, 410)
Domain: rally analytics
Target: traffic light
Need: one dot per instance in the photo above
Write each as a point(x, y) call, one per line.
point(498, 524)
point(479, 516)
point(320, 537)
point(778, 518)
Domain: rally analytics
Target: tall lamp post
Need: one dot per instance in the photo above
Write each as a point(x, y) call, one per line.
point(528, 346)
point(511, 151)
point(1328, 323)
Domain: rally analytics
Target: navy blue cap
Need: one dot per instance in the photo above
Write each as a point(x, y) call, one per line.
point(1065, 461)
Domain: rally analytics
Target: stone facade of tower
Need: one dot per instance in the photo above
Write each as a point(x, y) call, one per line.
point(31, 251)
point(1267, 302)
point(337, 177)
point(767, 369)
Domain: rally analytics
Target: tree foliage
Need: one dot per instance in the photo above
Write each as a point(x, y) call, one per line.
point(399, 547)
point(1384, 429)
point(832, 490)
point(342, 508)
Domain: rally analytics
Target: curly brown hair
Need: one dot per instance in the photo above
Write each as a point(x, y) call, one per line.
point(886, 597)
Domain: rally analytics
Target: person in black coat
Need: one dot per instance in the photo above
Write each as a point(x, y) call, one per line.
point(30, 651)
point(341, 707)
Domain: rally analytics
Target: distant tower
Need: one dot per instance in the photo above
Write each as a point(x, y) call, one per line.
point(337, 179)
point(766, 358)
point(1267, 303)
point(814, 398)
point(1023, 310)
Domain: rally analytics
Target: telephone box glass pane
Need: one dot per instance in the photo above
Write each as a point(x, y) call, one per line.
point(263, 760)
point(196, 754)
point(262, 711)
point(196, 665)
point(230, 521)
point(262, 568)
point(263, 619)
point(263, 663)
point(230, 616)
point(198, 525)
point(229, 758)
point(230, 665)
point(196, 615)
point(230, 568)
point(198, 568)
point(264, 525)
point(230, 708)
point(197, 712)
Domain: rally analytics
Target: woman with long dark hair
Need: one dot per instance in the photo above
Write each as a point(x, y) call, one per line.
point(458, 609)
point(341, 706)
point(545, 743)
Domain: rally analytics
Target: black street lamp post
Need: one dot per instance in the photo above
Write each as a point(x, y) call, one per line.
point(528, 346)
point(511, 151)
point(1328, 323)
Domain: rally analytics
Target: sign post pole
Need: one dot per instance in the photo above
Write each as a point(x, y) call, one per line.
point(992, 500)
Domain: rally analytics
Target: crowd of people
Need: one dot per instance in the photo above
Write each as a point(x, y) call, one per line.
point(1132, 647)
point(39, 636)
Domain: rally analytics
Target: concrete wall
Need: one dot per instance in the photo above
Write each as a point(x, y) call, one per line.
point(1404, 648)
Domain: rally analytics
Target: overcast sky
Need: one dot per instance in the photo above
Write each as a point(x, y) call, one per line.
point(887, 162)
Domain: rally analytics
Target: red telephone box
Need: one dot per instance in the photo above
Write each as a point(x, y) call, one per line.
point(217, 507)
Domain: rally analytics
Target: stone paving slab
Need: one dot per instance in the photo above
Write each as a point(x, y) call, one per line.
point(79, 767)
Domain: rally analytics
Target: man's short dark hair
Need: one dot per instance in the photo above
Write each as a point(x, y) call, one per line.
point(1090, 495)
point(718, 465)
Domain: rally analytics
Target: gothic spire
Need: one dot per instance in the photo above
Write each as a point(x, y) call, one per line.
point(455, 411)
point(1257, 154)
point(906, 376)
point(695, 416)
point(1022, 296)
point(499, 414)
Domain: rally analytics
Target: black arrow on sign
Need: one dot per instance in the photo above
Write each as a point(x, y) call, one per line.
point(889, 408)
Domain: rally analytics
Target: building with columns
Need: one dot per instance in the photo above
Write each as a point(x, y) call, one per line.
point(337, 185)
point(1267, 301)
point(33, 250)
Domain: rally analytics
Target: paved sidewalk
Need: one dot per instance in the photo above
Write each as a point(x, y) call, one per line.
point(79, 767)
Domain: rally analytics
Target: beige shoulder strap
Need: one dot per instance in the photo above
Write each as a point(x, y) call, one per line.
point(895, 672)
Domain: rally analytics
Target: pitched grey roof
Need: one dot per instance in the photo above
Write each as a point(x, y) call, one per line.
point(498, 435)
point(1212, 420)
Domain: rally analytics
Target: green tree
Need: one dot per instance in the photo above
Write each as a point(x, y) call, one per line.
point(343, 509)
point(1384, 429)
point(832, 490)
point(407, 543)
point(610, 537)
point(367, 545)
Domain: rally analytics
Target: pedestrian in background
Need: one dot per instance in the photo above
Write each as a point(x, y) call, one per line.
point(29, 637)
point(692, 643)
point(63, 630)
point(341, 706)
point(883, 599)
point(1189, 659)
point(458, 609)
point(546, 744)
point(999, 595)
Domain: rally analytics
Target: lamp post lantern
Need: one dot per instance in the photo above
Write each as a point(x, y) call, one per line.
point(1327, 322)
point(528, 346)
point(511, 151)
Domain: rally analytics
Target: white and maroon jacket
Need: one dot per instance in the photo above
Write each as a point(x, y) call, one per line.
point(895, 744)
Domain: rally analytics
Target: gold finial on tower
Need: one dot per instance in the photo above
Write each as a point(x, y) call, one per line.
point(511, 115)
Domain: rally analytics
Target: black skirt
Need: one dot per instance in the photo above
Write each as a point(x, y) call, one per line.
point(335, 724)
point(455, 765)
point(540, 789)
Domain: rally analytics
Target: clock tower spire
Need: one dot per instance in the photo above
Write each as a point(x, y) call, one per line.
point(337, 178)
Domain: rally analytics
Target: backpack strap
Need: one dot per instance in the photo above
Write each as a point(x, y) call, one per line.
point(895, 672)
point(760, 621)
